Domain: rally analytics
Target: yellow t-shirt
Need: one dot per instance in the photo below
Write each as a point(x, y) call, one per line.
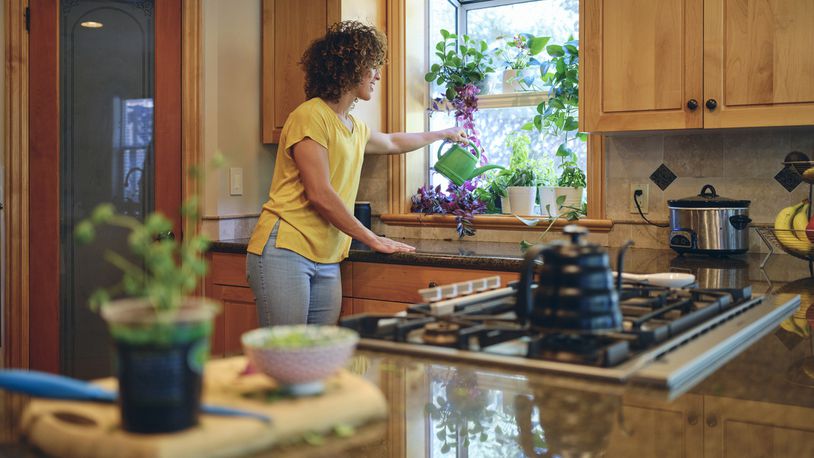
point(302, 229)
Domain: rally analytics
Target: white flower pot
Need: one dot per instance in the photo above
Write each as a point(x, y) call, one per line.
point(505, 204)
point(573, 196)
point(522, 198)
point(548, 197)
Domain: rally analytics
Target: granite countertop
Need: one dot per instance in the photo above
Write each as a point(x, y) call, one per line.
point(767, 389)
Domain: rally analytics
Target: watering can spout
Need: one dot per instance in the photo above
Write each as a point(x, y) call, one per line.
point(479, 171)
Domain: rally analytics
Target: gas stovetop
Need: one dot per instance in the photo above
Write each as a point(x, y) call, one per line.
point(670, 337)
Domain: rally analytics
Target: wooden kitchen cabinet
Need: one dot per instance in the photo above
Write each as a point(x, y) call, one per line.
point(649, 427)
point(366, 288)
point(641, 62)
point(736, 427)
point(390, 288)
point(681, 64)
point(289, 26)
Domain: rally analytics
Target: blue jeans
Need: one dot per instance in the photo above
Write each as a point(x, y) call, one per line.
point(291, 289)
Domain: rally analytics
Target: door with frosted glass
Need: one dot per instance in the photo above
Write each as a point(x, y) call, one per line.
point(104, 127)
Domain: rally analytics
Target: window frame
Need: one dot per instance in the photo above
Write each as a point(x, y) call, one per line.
point(400, 107)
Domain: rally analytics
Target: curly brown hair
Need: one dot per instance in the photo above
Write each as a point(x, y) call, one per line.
point(336, 62)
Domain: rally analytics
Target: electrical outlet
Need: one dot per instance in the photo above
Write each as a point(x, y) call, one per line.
point(644, 199)
point(236, 181)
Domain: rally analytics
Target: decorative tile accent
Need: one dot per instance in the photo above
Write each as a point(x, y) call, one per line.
point(663, 177)
point(789, 178)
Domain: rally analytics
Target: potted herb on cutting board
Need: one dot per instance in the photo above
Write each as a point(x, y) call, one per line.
point(160, 329)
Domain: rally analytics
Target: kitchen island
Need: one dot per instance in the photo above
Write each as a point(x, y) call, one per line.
point(761, 403)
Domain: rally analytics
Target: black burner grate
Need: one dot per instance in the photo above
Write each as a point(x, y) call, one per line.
point(651, 315)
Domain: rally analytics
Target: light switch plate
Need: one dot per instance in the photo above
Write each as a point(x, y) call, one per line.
point(644, 199)
point(236, 181)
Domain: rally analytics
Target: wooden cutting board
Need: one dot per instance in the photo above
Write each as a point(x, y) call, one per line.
point(89, 430)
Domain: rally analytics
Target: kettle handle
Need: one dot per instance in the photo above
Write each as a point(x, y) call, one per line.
point(446, 140)
point(525, 300)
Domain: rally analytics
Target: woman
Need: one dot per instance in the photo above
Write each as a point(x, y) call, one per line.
point(306, 226)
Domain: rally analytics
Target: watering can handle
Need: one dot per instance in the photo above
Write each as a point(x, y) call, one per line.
point(471, 143)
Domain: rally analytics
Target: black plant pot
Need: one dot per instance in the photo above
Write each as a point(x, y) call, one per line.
point(159, 364)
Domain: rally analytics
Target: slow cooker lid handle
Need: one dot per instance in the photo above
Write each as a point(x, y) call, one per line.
point(711, 189)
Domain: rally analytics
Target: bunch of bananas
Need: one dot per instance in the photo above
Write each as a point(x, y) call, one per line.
point(790, 227)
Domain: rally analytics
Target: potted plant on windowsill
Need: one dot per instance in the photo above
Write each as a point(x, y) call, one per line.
point(160, 329)
point(522, 181)
point(460, 201)
point(547, 186)
point(519, 62)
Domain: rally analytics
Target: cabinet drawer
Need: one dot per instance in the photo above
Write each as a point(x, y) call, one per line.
point(374, 306)
point(228, 269)
point(397, 283)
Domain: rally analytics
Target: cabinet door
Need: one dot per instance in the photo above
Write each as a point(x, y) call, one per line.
point(289, 26)
point(735, 427)
point(650, 427)
point(641, 64)
point(759, 62)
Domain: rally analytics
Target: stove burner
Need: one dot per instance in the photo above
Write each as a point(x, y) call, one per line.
point(651, 315)
point(441, 333)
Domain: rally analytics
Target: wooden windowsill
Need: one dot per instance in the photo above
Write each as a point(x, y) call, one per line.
point(504, 222)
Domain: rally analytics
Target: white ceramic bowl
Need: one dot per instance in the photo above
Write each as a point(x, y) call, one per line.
point(299, 357)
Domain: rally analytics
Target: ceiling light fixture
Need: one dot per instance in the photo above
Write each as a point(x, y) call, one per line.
point(91, 24)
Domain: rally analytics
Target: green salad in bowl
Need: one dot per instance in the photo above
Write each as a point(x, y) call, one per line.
point(299, 357)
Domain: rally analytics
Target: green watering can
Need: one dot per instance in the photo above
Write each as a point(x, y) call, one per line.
point(458, 164)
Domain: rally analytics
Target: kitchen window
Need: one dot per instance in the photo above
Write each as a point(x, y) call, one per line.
point(412, 48)
point(501, 113)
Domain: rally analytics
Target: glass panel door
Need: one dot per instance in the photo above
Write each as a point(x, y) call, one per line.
point(106, 81)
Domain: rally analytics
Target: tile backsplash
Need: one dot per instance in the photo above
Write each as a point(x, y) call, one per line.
point(739, 164)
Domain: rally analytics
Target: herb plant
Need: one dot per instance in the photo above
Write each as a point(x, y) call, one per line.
point(460, 64)
point(518, 53)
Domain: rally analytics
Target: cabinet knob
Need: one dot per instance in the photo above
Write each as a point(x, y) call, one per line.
point(692, 418)
point(432, 284)
point(712, 104)
point(712, 421)
point(692, 104)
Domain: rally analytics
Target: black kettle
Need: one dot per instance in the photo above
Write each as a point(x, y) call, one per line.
point(575, 289)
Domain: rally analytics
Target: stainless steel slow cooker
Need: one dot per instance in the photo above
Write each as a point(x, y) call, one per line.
point(709, 224)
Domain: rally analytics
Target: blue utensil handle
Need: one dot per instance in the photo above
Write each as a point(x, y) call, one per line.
point(45, 385)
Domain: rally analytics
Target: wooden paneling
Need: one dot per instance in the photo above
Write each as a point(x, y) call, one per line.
point(44, 221)
point(239, 316)
point(289, 26)
point(596, 177)
point(642, 63)
point(390, 282)
point(745, 429)
point(347, 306)
point(16, 188)
point(375, 306)
point(650, 427)
point(758, 62)
point(191, 103)
point(346, 270)
point(167, 112)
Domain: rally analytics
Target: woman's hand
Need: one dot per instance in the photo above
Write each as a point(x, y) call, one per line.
point(385, 245)
point(455, 134)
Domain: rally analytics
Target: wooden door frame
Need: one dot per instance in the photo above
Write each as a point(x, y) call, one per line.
point(17, 315)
